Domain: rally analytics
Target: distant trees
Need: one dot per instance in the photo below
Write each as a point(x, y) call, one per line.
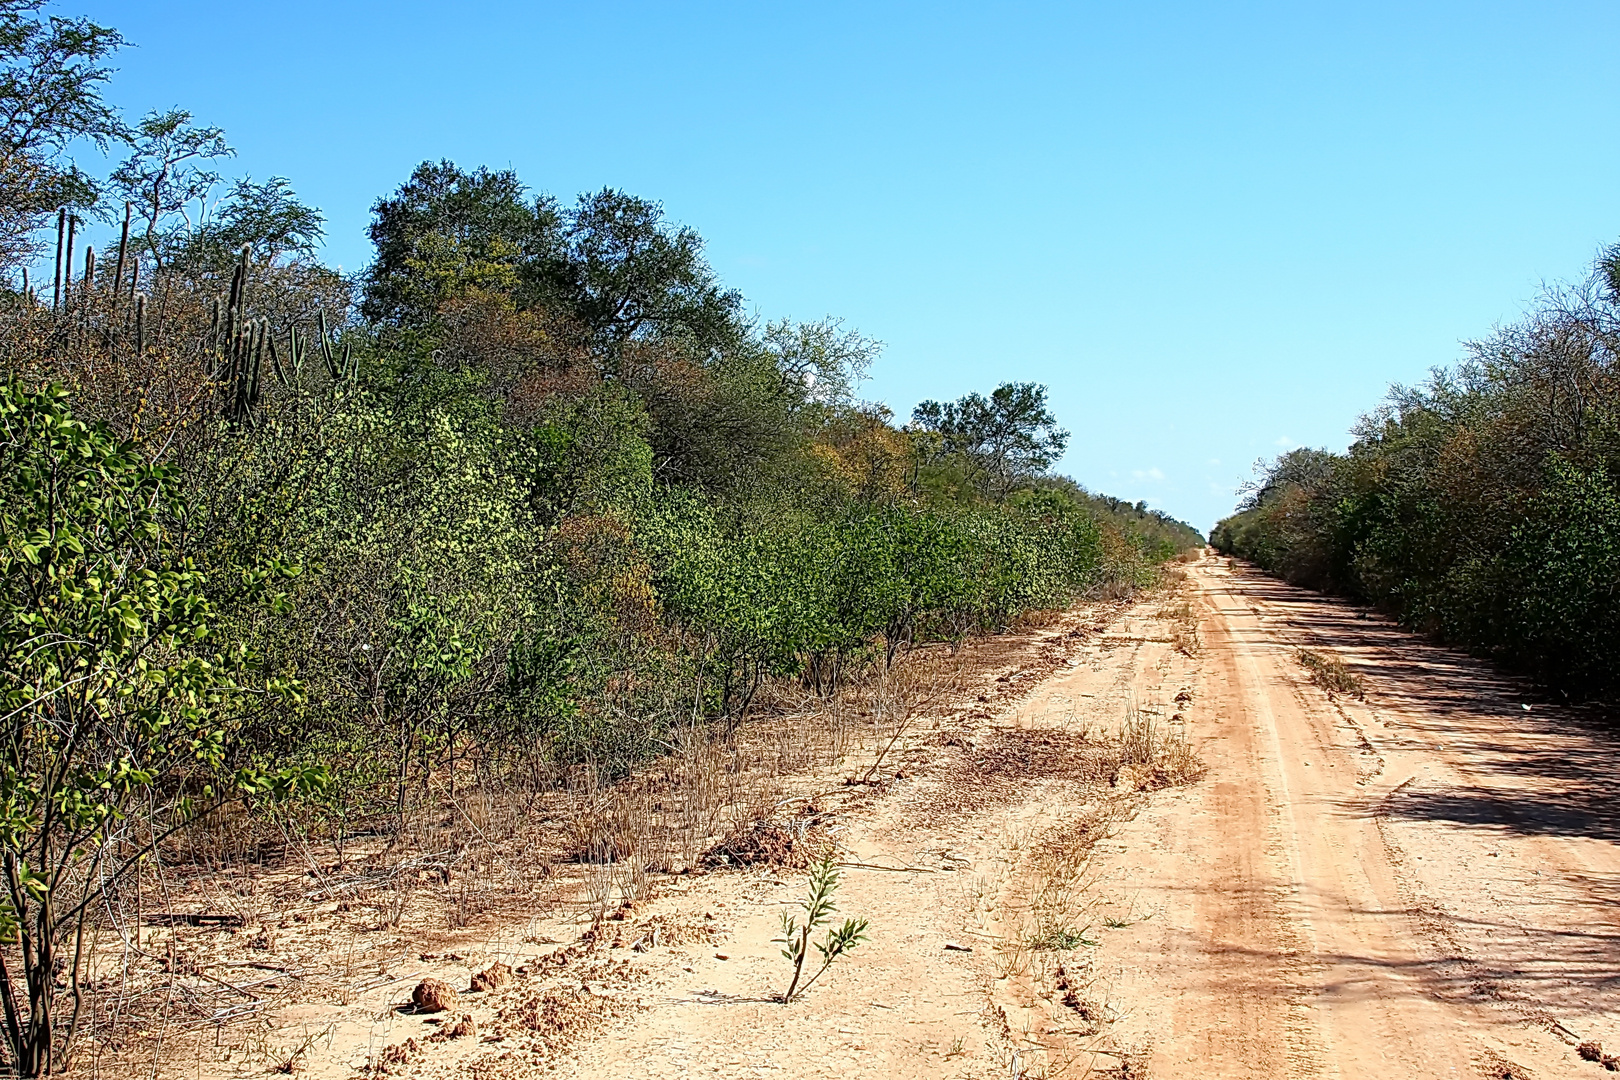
point(1004, 440)
point(1483, 506)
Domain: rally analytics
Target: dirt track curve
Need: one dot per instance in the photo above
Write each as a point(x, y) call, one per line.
point(1419, 884)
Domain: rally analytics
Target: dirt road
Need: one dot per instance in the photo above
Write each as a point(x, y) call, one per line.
point(1418, 884)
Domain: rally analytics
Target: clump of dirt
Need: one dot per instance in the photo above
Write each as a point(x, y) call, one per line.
point(560, 1017)
point(768, 844)
point(397, 1056)
point(464, 1028)
point(493, 977)
point(1591, 1050)
point(433, 995)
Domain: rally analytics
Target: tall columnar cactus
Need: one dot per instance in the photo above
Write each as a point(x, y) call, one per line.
point(67, 262)
point(118, 270)
point(61, 231)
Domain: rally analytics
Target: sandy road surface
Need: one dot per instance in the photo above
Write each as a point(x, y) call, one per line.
point(1420, 884)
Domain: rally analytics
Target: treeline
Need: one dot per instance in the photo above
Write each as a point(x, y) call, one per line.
point(532, 490)
point(1482, 506)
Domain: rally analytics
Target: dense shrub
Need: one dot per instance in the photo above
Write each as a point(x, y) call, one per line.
point(1482, 507)
point(529, 492)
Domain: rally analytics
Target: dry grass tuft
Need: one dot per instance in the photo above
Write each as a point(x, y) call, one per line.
point(1331, 674)
point(1184, 629)
point(1151, 757)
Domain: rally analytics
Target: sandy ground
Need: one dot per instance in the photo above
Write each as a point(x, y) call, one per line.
point(1418, 884)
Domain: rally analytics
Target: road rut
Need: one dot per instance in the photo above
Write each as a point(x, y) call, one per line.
point(1418, 884)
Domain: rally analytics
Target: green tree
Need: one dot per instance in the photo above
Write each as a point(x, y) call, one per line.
point(267, 218)
point(165, 172)
point(447, 230)
point(608, 270)
point(115, 694)
point(52, 72)
point(1005, 440)
point(626, 273)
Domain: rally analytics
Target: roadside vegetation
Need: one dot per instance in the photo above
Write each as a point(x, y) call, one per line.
point(293, 553)
point(1481, 507)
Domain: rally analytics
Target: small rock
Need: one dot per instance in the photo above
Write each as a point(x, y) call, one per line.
point(433, 995)
point(1590, 1051)
point(493, 977)
point(721, 956)
point(462, 1028)
point(951, 946)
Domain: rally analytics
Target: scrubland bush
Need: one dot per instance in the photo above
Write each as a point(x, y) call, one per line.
point(531, 492)
point(1482, 507)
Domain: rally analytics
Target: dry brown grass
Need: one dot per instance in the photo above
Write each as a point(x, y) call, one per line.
point(333, 906)
point(1153, 754)
point(1330, 673)
point(1177, 609)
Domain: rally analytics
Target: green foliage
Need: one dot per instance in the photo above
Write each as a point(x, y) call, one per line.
point(117, 691)
point(1001, 442)
point(1482, 507)
point(165, 171)
point(607, 271)
point(818, 908)
point(265, 218)
point(556, 500)
point(446, 230)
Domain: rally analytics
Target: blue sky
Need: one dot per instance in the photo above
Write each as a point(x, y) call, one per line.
point(1214, 230)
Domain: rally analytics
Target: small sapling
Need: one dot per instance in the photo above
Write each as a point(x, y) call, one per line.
point(818, 909)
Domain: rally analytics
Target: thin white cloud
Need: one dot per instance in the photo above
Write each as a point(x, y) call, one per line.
point(1148, 474)
point(1286, 442)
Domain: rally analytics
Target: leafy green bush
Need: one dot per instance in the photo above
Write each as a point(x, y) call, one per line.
point(1482, 507)
point(119, 695)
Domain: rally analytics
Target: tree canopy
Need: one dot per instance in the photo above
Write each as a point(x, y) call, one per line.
point(1004, 440)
